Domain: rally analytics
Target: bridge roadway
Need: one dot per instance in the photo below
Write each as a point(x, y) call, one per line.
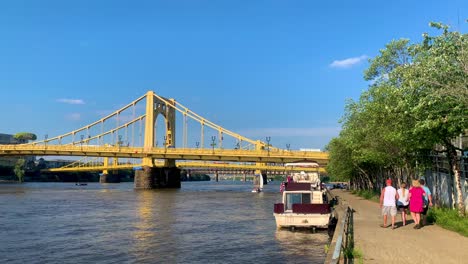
point(190, 165)
point(261, 156)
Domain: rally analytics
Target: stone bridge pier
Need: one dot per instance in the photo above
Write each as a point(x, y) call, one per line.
point(109, 177)
point(157, 178)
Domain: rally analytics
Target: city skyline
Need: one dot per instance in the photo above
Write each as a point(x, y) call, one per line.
point(262, 69)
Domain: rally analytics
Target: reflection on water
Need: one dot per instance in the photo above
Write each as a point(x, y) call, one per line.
point(293, 243)
point(145, 224)
point(203, 222)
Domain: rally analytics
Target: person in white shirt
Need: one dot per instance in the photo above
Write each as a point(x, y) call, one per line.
point(403, 201)
point(388, 198)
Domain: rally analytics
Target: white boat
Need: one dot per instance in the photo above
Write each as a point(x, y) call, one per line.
point(258, 183)
point(304, 203)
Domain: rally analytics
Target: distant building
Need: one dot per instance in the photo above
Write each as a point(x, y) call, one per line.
point(57, 163)
point(7, 139)
point(309, 149)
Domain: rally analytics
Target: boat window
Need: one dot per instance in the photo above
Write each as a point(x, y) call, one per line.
point(296, 198)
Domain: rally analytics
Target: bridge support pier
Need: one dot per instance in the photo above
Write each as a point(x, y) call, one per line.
point(109, 178)
point(157, 178)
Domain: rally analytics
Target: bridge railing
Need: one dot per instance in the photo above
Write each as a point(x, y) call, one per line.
point(342, 244)
point(74, 150)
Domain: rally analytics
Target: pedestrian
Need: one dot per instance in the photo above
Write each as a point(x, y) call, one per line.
point(416, 202)
point(403, 201)
point(387, 202)
point(427, 201)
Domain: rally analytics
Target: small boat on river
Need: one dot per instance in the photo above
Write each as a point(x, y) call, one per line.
point(258, 183)
point(305, 203)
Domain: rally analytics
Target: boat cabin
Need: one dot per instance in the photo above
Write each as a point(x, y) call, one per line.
point(304, 202)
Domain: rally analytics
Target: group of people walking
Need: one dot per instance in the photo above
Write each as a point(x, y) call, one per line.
point(417, 199)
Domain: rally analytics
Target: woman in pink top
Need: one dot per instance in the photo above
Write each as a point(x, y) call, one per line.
point(416, 201)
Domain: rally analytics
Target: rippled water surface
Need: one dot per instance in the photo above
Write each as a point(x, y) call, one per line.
point(203, 222)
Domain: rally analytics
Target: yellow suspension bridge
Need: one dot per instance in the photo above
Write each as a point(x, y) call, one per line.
point(132, 137)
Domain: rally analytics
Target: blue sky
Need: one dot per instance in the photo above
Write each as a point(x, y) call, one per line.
point(282, 69)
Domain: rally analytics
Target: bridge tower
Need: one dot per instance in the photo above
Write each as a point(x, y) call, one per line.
point(151, 177)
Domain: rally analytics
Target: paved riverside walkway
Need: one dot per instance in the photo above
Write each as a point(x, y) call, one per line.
point(430, 244)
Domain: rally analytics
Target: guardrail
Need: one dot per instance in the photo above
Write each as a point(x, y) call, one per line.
point(342, 245)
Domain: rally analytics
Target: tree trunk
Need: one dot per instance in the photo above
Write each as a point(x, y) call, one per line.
point(455, 167)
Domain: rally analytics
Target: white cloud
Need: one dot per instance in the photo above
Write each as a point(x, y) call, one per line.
point(349, 62)
point(292, 132)
point(73, 116)
point(70, 101)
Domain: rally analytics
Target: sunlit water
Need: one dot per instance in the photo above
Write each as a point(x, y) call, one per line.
point(203, 222)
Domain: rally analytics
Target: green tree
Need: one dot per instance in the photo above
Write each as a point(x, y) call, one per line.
point(25, 136)
point(19, 169)
point(439, 79)
point(417, 102)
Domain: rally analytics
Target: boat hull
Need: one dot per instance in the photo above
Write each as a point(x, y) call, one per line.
point(302, 220)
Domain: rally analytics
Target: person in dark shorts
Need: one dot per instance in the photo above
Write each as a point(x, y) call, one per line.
point(427, 201)
point(403, 201)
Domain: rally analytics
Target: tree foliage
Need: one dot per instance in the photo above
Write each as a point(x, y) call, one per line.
point(416, 103)
point(24, 136)
point(19, 170)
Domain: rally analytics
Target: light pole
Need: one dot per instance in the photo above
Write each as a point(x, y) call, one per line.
point(268, 144)
point(120, 141)
point(288, 146)
point(81, 142)
point(165, 143)
point(46, 136)
point(213, 144)
point(197, 144)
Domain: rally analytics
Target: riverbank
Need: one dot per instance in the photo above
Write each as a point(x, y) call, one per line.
point(7, 181)
point(430, 244)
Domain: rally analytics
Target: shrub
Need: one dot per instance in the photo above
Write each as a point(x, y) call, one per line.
point(449, 219)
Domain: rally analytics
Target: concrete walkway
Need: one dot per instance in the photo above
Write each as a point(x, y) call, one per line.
point(430, 244)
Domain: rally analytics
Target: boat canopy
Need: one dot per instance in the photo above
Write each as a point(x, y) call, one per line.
point(310, 177)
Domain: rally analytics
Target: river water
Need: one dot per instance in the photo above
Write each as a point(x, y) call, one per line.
point(203, 222)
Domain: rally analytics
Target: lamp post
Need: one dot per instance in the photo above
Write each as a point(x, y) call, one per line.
point(213, 144)
point(165, 143)
point(81, 142)
point(288, 146)
point(120, 141)
point(197, 144)
point(268, 144)
point(46, 136)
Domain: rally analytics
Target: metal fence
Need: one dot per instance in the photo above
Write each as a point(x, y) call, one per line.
point(342, 245)
point(441, 182)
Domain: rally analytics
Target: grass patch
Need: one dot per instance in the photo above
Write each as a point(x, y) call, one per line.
point(354, 254)
point(367, 194)
point(327, 247)
point(448, 219)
